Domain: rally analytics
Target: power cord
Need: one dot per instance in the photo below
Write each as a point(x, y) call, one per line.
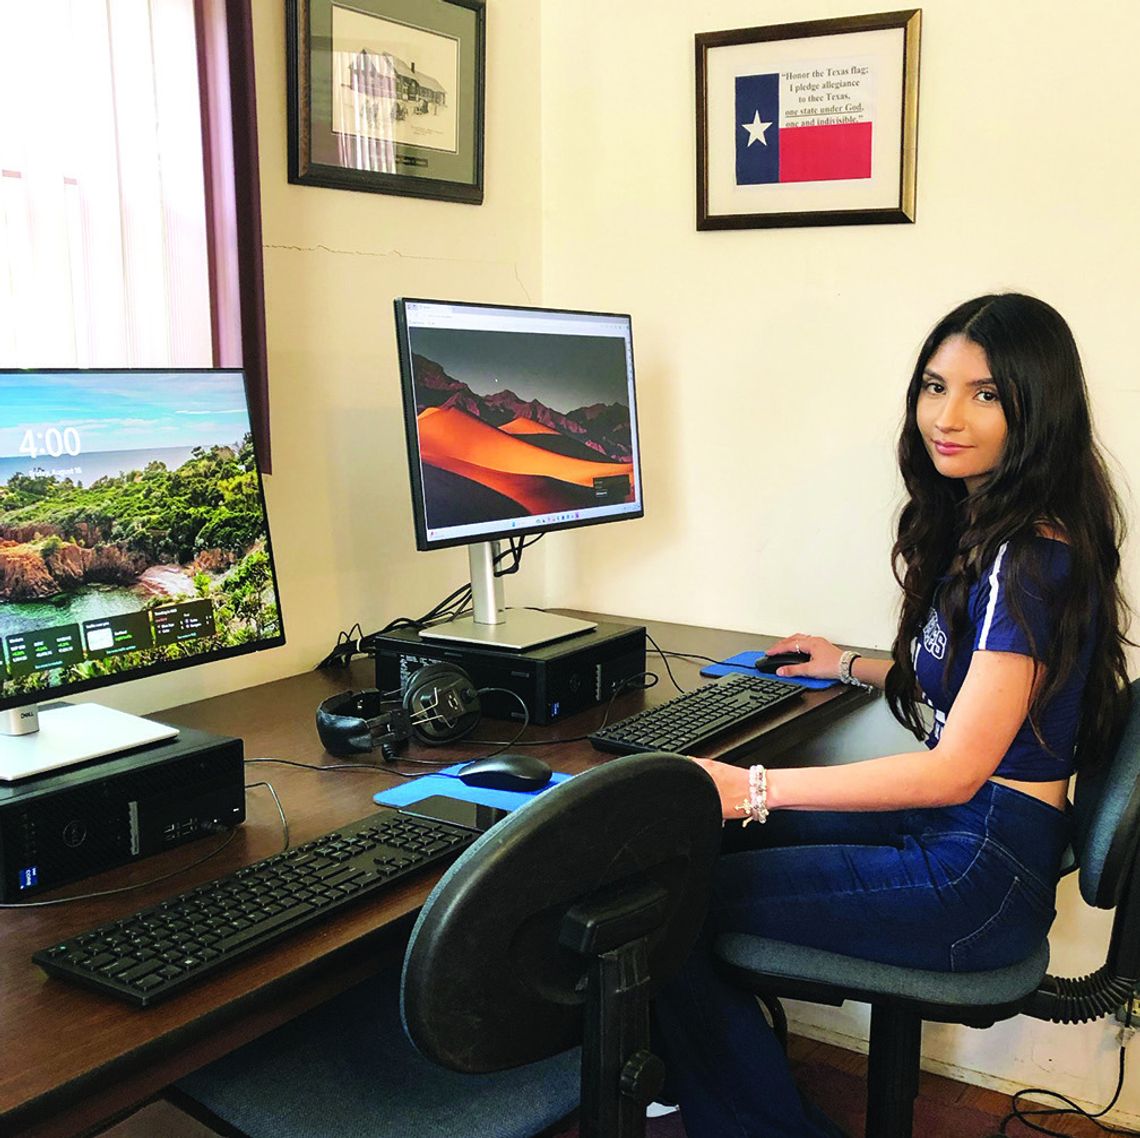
point(344, 650)
point(455, 604)
point(1070, 1108)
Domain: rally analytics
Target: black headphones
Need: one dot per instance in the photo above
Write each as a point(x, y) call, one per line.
point(439, 704)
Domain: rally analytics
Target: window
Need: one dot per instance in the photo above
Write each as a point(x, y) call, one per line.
point(129, 213)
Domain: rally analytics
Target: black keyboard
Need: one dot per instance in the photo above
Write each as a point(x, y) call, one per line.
point(157, 951)
point(694, 717)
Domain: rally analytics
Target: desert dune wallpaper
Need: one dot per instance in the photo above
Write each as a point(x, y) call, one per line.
point(535, 428)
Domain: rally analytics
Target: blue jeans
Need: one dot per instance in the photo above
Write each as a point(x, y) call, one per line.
point(954, 889)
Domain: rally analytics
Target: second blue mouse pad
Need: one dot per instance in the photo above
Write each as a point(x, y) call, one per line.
point(745, 663)
point(447, 783)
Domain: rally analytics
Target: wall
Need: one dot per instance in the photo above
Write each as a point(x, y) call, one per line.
point(772, 363)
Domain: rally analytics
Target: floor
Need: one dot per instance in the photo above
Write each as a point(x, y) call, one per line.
point(832, 1077)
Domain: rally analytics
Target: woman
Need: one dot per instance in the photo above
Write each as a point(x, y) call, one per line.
point(1010, 644)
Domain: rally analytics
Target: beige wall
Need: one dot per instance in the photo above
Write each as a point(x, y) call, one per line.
point(771, 363)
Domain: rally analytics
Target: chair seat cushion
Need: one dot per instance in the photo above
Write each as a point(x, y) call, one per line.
point(781, 968)
point(347, 1069)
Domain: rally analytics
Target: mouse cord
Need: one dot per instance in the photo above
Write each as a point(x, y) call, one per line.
point(499, 746)
point(642, 680)
point(665, 660)
point(376, 768)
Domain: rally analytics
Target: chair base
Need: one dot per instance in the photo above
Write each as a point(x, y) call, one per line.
point(901, 1000)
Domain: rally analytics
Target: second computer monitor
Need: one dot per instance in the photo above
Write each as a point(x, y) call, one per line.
point(518, 420)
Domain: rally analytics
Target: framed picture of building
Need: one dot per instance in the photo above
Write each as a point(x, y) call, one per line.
point(813, 123)
point(386, 96)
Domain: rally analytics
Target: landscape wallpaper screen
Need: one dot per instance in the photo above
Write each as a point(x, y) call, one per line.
point(516, 425)
point(133, 535)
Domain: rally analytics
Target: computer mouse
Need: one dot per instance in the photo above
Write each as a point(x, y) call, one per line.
point(507, 772)
point(766, 665)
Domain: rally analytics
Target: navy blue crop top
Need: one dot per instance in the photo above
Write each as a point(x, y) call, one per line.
point(992, 628)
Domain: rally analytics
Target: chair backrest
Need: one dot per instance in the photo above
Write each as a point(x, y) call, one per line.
point(490, 981)
point(1106, 816)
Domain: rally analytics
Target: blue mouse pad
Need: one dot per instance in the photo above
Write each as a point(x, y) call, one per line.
point(447, 783)
point(744, 662)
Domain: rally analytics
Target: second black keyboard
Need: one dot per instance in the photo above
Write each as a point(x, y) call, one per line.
point(694, 717)
point(157, 951)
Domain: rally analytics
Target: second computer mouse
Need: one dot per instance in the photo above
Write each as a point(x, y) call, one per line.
point(766, 665)
point(507, 772)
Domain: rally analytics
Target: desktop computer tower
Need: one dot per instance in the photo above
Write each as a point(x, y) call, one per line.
point(71, 823)
point(553, 680)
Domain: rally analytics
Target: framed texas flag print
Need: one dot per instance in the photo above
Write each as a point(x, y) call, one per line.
point(812, 123)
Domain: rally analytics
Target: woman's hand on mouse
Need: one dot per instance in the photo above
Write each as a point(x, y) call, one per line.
point(824, 662)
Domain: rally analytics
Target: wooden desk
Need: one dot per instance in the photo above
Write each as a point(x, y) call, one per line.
point(74, 1060)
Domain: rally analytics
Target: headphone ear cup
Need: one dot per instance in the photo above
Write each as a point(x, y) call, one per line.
point(355, 723)
point(441, 702)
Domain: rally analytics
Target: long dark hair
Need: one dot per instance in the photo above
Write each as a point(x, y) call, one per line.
point(1052, 475)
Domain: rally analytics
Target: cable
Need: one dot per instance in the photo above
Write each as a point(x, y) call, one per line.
point(629, 681)
point(686, 656)
point(125, 888)
point(377, 768)
point(665, 661)
point(280, 809)
point(518, 735)
point(516, 545)
point(344, 649)
point(1070, 1108)
point(454, 605)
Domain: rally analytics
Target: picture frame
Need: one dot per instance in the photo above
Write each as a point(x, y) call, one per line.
point(387, 96)
point(811, 123)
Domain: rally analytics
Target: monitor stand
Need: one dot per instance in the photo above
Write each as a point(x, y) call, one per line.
point(71, 733)
point(493, 625)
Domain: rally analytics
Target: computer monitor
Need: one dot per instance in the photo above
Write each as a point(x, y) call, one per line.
point(133, 540)
point(518, 421)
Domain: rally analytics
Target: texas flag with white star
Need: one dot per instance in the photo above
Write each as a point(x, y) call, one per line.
point(770, 148)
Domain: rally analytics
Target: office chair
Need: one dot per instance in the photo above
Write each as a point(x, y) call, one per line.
point(554, 928)
point(1106, 809)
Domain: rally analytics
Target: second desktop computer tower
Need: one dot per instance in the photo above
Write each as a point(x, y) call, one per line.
point(553, 680)
point(68, 824)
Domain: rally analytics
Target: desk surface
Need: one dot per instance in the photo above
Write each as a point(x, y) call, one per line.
point(75, 1059)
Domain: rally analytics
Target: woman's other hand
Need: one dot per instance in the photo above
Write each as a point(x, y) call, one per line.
point(824, 662)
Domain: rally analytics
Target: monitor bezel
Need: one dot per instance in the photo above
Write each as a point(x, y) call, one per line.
point(411, 434)
point(94, 683)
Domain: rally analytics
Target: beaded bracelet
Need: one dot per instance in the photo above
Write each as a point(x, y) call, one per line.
point(755, 806)
point(845, 674)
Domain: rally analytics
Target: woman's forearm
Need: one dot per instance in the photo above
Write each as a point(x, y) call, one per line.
point(871, 671)
point(893, 782)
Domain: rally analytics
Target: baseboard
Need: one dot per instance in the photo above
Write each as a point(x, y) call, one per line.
point(858, 1044)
